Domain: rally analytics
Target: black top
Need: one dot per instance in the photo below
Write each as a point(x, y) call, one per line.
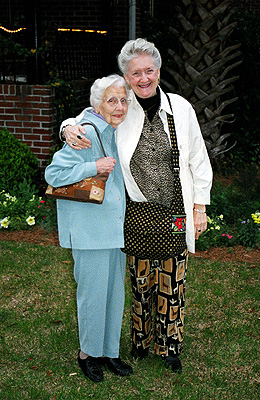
point(150, 105)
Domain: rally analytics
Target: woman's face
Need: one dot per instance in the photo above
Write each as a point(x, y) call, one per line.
point(143, 76)
point(113, 106)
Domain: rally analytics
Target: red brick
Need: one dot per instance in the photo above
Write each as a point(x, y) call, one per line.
point(31, 137)
point(42, 92)
point(23, 117)
point(13, 123)
point(22, 130)
point(49, 125)
point(13, 110)
point(7, 117)
point(42, 143)
point(28, 143)
point(36, 149)
point(31, 124)
point(31, 111)
point(46, 137)
point(43, 119)
point(12, 98)
point(41, 105)
point(7, 104)
point(50, 111)
point(31, 99)
point(46, 150)
point(12, 89)
point(39, 131)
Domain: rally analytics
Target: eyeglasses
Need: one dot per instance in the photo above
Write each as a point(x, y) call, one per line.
point(113, 101)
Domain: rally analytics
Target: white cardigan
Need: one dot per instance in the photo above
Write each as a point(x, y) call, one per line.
point(195, 168)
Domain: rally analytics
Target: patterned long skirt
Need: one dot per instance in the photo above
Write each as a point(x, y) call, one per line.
point(158, 303)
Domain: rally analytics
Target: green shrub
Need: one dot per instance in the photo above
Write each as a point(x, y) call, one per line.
point(217, 234)
point(232, 219)
point(26, 209)
point(17, 162)
point(239, 199)
point(248, 231)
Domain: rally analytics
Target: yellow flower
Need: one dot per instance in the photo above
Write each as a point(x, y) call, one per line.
point(256, 217)
point(30, 220)
point(33, 51)
point(5, 222)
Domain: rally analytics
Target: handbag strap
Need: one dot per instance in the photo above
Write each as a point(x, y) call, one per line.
point(94, 126)
point(173, 137)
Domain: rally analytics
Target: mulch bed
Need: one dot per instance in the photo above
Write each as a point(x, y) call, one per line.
point(38, 235)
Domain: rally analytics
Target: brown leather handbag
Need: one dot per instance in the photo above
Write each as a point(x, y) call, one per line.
point(90, 190)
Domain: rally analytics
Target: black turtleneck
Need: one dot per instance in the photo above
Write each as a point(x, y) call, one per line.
point(150, 104)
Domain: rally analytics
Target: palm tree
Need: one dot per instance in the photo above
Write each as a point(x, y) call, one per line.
point(201, 69)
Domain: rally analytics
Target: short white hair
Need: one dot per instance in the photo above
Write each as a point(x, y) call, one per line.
point(134, 48)
point(100, 85)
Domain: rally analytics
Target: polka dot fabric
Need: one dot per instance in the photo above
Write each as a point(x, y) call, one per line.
point(153, 231)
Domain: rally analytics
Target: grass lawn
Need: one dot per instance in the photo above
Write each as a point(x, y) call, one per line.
point(40, 343)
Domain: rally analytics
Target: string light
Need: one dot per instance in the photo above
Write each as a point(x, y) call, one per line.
point(11, 31)
point(81, 30)
point(59, 29)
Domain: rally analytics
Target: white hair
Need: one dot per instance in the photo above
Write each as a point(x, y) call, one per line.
point(100, 85)
point(133, 48)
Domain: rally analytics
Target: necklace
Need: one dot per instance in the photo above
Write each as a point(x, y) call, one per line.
point(147, 109)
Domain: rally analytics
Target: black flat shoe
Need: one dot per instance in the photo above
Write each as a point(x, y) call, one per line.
point(91, 368)
point(117, 366)
point(139, 353)
point(173, 363)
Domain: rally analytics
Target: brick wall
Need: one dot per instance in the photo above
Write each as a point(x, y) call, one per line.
point(28, 113)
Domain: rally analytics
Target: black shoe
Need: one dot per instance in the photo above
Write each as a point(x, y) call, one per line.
point(117, 366)
point(91, 368)
point(173, 363)
point(139, 353)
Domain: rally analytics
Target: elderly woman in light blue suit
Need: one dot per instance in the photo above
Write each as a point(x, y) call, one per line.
point(95, 232)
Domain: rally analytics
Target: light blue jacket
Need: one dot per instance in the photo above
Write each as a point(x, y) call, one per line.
point(85, 225)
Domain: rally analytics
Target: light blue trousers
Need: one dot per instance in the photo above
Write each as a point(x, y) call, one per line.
point(100, 276)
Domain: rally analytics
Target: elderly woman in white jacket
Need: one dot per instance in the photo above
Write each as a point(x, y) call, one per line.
point(140, 138)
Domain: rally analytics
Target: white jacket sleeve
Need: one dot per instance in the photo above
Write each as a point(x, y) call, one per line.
point(73, 121)
point(199, 163)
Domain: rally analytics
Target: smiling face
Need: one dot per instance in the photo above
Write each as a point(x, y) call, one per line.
point(113, 114)
point(143, 76)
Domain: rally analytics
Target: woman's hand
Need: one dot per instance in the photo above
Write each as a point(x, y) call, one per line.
point(75, 138)
point(200, 219)
point(105, 164)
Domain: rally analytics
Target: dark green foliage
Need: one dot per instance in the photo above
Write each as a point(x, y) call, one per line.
point(246, 128)
point(247, 233)
point(239, 199)
point(17, 162)
point(233, 213)
point(65, 101)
